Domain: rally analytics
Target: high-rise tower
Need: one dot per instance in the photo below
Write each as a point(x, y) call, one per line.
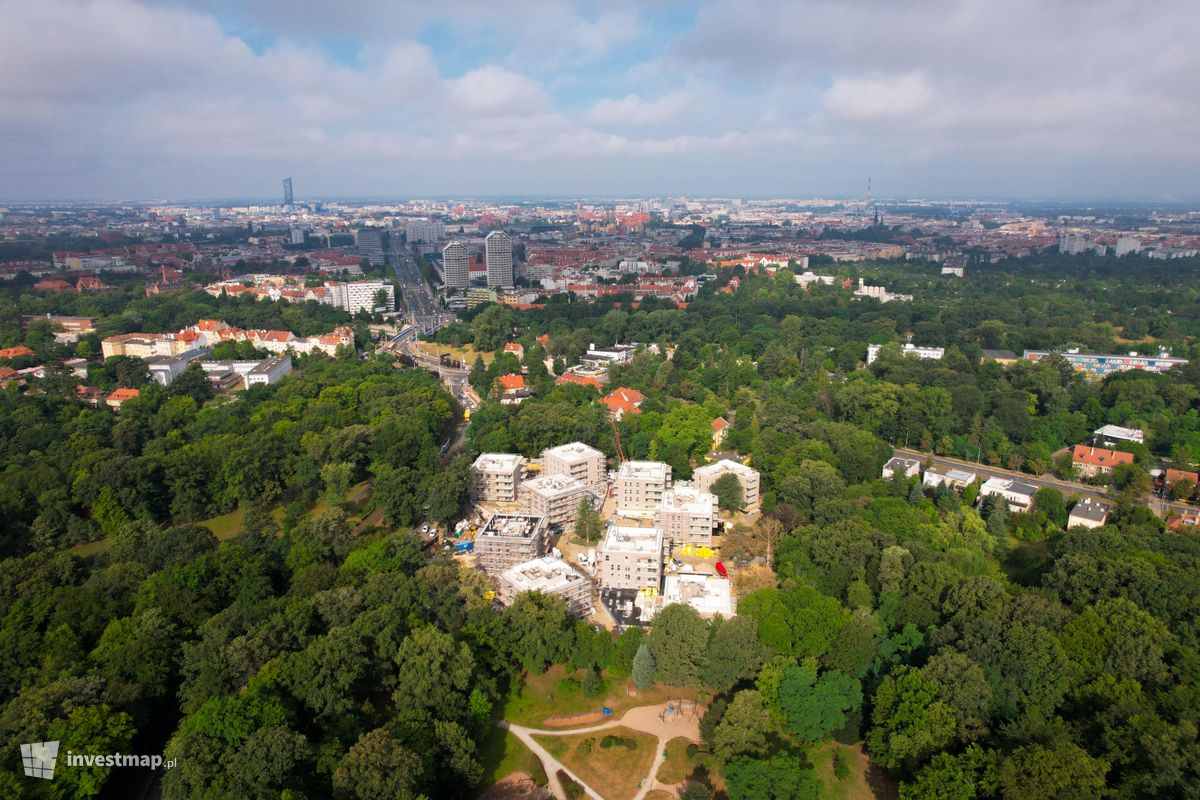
point(498, 253)
point(287, 191)
point(456, 265)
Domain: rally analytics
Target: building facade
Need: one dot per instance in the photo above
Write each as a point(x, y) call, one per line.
point(640, 486)
point(687, 515)
point(579, 461)
point(510, 539)
point(495, 478)
point(548, 575)
point(1098, 365)
point(555, 497)
point(456, 265)
point(630, 558)
point(498, 254)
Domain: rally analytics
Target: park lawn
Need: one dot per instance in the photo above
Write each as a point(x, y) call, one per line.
point(854, 786)
point(539, 698)
point(617, 769)
point(676, 765)
point(502, 754)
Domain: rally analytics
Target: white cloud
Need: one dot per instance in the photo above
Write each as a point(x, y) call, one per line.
point(632, 109)
point(879, 96)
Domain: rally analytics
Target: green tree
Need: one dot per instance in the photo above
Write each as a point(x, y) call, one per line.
point(377, 767)
point(588, 524)
point(911, 723)
point(781, 777)
point(643, 667)
point(743, 728)
point(815, 706)
point(728, 490)
point(734, 654)
point(1061, 770)
point(678, 641)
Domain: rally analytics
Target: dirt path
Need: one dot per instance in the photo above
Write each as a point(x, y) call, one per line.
point(644, 719)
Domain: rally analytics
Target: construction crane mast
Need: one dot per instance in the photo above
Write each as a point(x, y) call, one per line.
point(617, 438)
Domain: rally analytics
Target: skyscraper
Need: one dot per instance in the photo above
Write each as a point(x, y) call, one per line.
point(498, 253)
point(287, 191)
point(456, 265)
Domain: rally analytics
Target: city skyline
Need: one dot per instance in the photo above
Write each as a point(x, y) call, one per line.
point(114, 99)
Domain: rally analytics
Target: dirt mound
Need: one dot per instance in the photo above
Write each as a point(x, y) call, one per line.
point(518, 786)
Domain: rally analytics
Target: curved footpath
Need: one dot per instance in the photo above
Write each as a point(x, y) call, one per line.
point(644, 719)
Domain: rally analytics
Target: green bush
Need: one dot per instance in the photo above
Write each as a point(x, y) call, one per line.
point(568, 687)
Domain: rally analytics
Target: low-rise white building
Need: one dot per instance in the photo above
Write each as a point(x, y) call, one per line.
point(630, 558)
point(954, 478)
point(640, 486)
point(708, 594)
point(687, 515)
point(579, 461)
point(898, 465)
point(510, 539)
point(495, 477)
point(1109, 435)
point(909, 349)
point(1018, 495)
point(555, 497)
point(704, 477)
point(548, 575)
point(1089, 513)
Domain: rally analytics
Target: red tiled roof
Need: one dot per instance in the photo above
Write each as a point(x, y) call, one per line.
point(121, 395)
point(1176, 475)
point(583, 380)
point(719, 424)
point(623, 400)
point(15, 352)
point(1098, 457)
point(510, 383)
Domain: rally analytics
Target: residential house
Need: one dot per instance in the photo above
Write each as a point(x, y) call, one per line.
point(120, 396)
point(623, 401)
point(898, 465)
point(719, 426)
point(1089, 513)
point(512, 389)
point(1092, 461)
point(1019, 496)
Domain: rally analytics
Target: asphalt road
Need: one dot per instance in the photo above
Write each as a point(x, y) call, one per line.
point(1157, 505)
point(422, 307)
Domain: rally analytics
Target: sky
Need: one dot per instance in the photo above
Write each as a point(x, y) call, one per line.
point(187, 99)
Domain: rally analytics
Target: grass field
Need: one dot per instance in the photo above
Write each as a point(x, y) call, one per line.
point(502, 754)
point(854, 786)
point(676, 765)
point(617, 768)
point(540, 698)
point(465, 354)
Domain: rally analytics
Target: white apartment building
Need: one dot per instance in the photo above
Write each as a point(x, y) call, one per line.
point(1127, 245)
point(640, 486)
point(687, 515)
point(510, 539)
point(495, 478)
point(498, 254)
point(548, 575)
point(704, 477)
point(360, 295)
point(456, 265)
point(954, 478)
point(898, 465)
point(909, 349)
point(1089, 513)
point(630, 558)
point(555, 497)
point(579, 461)
point(423, 230)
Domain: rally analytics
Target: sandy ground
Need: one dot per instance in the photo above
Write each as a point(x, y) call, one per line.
point(645, 719)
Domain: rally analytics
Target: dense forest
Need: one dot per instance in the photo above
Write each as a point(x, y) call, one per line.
point(973, 652)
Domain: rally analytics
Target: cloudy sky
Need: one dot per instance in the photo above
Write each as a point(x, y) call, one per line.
point(956, 98)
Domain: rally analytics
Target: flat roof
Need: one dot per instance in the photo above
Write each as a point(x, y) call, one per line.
point(725, 465)
point(688, 499)
point(514, 526)
point(546, 574)
point(644, 470)
point(954, 475)
point(574, 451)
point(628, 539)
point(1090, 509)
point(708, 594)
point(498, 462)
point(1118, 432)
point(554, 484)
